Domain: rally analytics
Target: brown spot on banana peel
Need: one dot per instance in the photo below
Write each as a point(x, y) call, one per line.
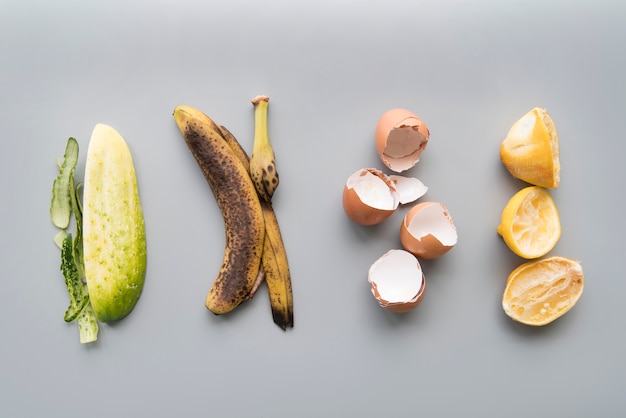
point(240, 206)
point(260, 278)
point(234, 145)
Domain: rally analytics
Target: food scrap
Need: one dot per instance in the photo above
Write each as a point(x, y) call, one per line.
point(543, 289)
point(243, 187)
point(104, 261)
point(530, 150)
point(114, 234)
point(401, 137)
point(540, 291)
point(397, 281)
point(530, 224)
point(427, 230)
point(371, 196)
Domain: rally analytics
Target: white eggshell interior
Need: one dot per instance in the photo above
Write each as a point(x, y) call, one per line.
point(397, 275)
point(373, 191)
point(433, 220)
point(409, 188)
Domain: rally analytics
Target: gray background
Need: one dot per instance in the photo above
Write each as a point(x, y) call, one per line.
point(331, 68)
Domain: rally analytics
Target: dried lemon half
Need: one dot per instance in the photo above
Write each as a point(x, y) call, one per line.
point(530, 150)
point(540, 291)
point(530, 223)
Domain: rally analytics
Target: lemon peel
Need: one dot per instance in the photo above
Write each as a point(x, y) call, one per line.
point(540, 291)
point(530, 150)
point(530, 224)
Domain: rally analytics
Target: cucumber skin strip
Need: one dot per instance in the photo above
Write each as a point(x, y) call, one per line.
point(77, 292)
point(87, 325)
point(80, 309)
point(65, 200)
point(78, 241)
point(63, 186)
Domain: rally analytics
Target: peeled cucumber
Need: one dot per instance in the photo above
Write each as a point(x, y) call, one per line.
point(114, 236)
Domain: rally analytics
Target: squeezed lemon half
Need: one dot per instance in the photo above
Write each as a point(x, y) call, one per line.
point(530, 151)
point(540, 291)
point(530, 223)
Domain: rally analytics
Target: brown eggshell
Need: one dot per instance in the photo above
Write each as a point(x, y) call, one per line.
point(364, 213)
point(401, 137)
point(360, 212)
point(403, 307)
point(436, 237)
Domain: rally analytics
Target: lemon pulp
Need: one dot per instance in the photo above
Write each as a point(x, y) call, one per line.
point(540, 291)
point(530, 224)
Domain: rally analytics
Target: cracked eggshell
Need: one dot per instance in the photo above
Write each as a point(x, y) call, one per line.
point(369, 197)
point(401, 136)
point(397, 281)
point(427, 230)
point(409, 188)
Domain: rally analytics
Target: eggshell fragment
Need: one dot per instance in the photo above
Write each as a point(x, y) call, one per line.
point(397, 281)
point(409, 188)
point(369, 196)
point(401, 136)
point(427, 230)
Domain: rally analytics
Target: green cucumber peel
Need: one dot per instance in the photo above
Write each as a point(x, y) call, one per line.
point(104, 262)
point(63, 185)
point(78, 241)
point(65, 201)
point(79, 297)
point(87, 325)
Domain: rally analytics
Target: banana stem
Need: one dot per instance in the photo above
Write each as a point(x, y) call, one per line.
point(261, 136)
point(262, 166)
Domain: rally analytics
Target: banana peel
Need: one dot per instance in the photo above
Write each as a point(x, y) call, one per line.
point(272, 266)
point(276, 268)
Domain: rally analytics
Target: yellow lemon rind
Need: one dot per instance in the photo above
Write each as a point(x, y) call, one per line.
point(530, 151)
point(540, 291)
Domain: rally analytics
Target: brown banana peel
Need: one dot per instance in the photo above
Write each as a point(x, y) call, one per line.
point(230, 290)
point(241, 209)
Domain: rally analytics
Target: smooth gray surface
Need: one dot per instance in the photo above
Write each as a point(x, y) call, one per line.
point(470, 69)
